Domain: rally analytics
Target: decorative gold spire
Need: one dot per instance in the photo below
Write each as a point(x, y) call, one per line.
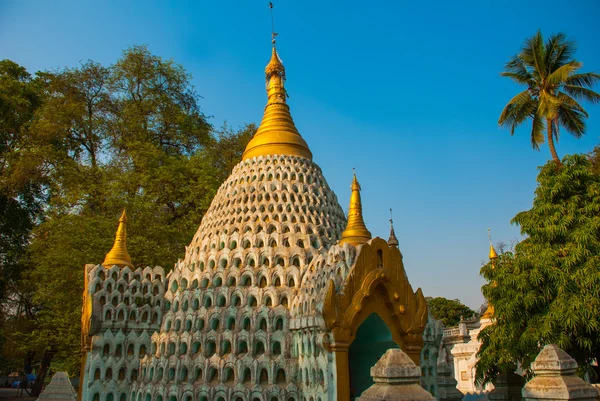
point(392, 241)
point(277, 134)
point(275, 67)
point(493, 255)
point(356, 232)
point(118, 255)
point(489, 312)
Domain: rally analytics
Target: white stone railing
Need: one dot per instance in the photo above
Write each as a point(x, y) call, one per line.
point(452, 331)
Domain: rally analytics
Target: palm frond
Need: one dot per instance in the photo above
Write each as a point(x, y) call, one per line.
point(571, 103)
point(555, 129)
point(581, 93)
point(533, 55)
point(518, 78)
point(586, 79)
point(517, 110)
point(559, 51)
point(573, 120)
point(537, 131)
point(516, 70)
point(561, 74)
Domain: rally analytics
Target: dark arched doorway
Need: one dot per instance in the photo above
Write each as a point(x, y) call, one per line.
point(373, 338)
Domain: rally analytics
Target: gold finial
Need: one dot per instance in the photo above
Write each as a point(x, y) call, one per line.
point(356, 232)
point(493, 255)
point(275, 67)
point(277, 133)
point(392, 241)
point(118, 255)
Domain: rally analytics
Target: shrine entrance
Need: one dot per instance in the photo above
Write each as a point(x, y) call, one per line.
point(373, 339)
point(375, 310)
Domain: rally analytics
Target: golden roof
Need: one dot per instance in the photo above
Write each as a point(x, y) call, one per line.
point(356, 231)
point(118, 255)
point(277, 133)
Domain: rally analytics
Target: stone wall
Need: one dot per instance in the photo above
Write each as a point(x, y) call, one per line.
point(461, 345)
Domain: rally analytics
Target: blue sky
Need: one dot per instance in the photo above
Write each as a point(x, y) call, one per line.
point(408, 93)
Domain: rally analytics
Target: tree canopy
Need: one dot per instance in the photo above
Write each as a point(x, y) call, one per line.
point(554, 87)
point(78, 146)
point(548, 289)
point(448, 311)
point(20, 97)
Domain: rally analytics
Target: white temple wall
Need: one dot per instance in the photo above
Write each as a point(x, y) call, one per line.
point(126, 311)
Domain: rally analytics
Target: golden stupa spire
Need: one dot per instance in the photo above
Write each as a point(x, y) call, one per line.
point(356, 232)
point(118, 255)
point(277, 134)
point(489, 312)
point(493, 255)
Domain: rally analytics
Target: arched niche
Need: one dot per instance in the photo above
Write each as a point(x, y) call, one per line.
point(373, 338)
point(377, 285)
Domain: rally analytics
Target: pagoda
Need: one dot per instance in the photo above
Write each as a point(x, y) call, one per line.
point(278, 297)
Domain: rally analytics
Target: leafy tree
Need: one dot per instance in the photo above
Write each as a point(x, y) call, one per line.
point(129, 135)
point(227, 147)
point(20, 97)
point(548, 290)
point(553, 89)
point(449, 311)
point(21, 199)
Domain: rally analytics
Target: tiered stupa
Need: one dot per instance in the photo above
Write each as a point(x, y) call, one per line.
point(268, 301)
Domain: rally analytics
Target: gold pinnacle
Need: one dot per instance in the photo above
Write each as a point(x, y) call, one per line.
point(493, 255)
point(393, 240)
point(277, 133)
point(118, 255)
point(356, 231)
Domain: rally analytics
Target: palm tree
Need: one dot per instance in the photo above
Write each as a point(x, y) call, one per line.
point(553, 89)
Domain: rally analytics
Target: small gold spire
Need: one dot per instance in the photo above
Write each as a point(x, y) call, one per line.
point(277, 133)
point(392, 241)
point(489, 312)
point(356, 232)
point(118, 255)
point(493, 255)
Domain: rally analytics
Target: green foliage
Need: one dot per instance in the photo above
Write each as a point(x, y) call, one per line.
point(449, 311)
point(554, 88)
point(548, 290)
point(131, 136)
point(594, 157)
point(20, 97)
point(21, 199)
